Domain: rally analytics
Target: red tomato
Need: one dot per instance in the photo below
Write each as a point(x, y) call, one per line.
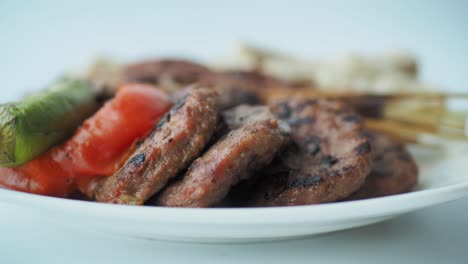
point(98, 148)
point(40, 176)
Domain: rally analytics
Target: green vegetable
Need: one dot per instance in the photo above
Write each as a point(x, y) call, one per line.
point(32, 126)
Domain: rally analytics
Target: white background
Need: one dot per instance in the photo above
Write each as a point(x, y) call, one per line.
point(41, 39)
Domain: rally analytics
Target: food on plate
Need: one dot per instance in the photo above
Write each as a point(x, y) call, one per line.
point(409, 117)
point(240, 87)
point(100, 143)
point(173, 75)
point(97, 148)
point(251, 145)
point(30, 127)
point(393, 170)
point(172, 132)
point(169, 74)
point(178, 139)
point(328, 160)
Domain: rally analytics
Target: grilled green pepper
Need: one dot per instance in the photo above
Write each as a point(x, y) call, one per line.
point(32, 126)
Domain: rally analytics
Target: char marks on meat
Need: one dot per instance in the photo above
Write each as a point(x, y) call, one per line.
point(326, 160)
point(255, 139)
point(170, 75)
point(393, 171)
point(240, 87)
point(178, 139)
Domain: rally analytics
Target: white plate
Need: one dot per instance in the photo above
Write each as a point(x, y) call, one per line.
point(442, 179)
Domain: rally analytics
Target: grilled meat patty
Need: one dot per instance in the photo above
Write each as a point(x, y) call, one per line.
point(234, 87)
point(393, 171)
point(328, 159)
point(168, 74)
point(255, 139)
point(178, 139)
point(240, 87)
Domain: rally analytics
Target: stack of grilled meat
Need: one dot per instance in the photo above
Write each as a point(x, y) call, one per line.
point(221, 144)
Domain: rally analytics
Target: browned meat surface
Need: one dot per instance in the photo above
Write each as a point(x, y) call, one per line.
point(253, 143)
point(169, 74)
point(367, 105)
point(253, 79)
point(328, 160)
point(234, 87)
point(393, 170)
point(178, 139)
point(240, 87)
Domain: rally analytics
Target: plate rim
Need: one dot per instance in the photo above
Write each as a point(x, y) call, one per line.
point(246, 216)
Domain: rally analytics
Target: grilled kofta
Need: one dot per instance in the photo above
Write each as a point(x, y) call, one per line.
point(234, 87)
point(328, 158)
point(179, 138)
point(255, 139)
point(393, 171)
point(169, 74)
point(240, 87)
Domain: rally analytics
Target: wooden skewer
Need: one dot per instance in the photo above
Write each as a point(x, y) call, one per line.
point(410, 133)
point(402, 115)
point(281, 92)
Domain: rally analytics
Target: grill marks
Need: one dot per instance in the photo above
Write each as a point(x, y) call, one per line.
point(363, 148)
point(178, 139)
point(393, 170)
point(172, 75)
point(312, 145)
point(282, 110)
point(138, 160)
point(251, 145)
point(306, 181)
point(165, 119)
point(240, 87)
point(307, 102)
point(327, 160)
point(299, 121)
point(168, 74)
